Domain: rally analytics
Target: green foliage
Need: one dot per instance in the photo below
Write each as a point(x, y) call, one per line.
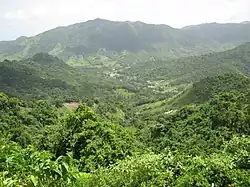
point(44, 113)
point(94, 143)
point(144, 170)
point(28, 167)
point(206, 88)
point(217, 169)
point(226, 168)
point(82, 134)
point(196, 145)
point(202, 129)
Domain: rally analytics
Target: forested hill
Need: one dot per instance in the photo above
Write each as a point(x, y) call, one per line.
point(193, 69)
point(21, 80)
point(46, 77)
point(205, 89)
point(110, 39)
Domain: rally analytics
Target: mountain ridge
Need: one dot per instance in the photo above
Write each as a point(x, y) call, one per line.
point(97, 36)
point(139, 22)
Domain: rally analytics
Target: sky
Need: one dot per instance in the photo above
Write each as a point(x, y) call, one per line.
point(30, 17)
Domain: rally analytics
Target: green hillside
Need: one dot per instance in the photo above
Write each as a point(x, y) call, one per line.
point(197, 93)
point(192, 69)
point(147, 82)
point(206, 88)
point(46, 77)
point(190, 80)
point(20, 80)
point(117, 42)
point(223, 33)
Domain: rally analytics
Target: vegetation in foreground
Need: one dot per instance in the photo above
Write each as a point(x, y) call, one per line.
point(197, 145)
point(130, 133)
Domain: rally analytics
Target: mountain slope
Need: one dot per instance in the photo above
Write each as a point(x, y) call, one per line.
point(46, 77)
point(190, 80)
point(110, 39)
point(203, 90)
point(223, 33)
point(198, 93)
point(192, 69)
point(22, 80)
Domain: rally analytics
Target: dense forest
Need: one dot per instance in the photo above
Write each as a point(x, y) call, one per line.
point(197, 145)
point(120, 121)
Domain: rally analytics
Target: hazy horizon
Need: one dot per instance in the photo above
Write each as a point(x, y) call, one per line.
point(120, 21)
point(28, 18)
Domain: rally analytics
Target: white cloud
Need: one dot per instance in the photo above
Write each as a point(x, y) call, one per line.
point(40, 15)
point(17, 14)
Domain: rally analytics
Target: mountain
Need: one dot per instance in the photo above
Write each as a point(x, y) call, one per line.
point(83, 44)
point(234, 33)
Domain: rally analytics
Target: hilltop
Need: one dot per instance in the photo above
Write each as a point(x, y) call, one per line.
point(103, 42)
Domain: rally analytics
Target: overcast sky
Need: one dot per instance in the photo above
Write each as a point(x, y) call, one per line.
point(30, 17)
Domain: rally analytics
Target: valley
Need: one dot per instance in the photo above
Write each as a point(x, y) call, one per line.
point(104, 103)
